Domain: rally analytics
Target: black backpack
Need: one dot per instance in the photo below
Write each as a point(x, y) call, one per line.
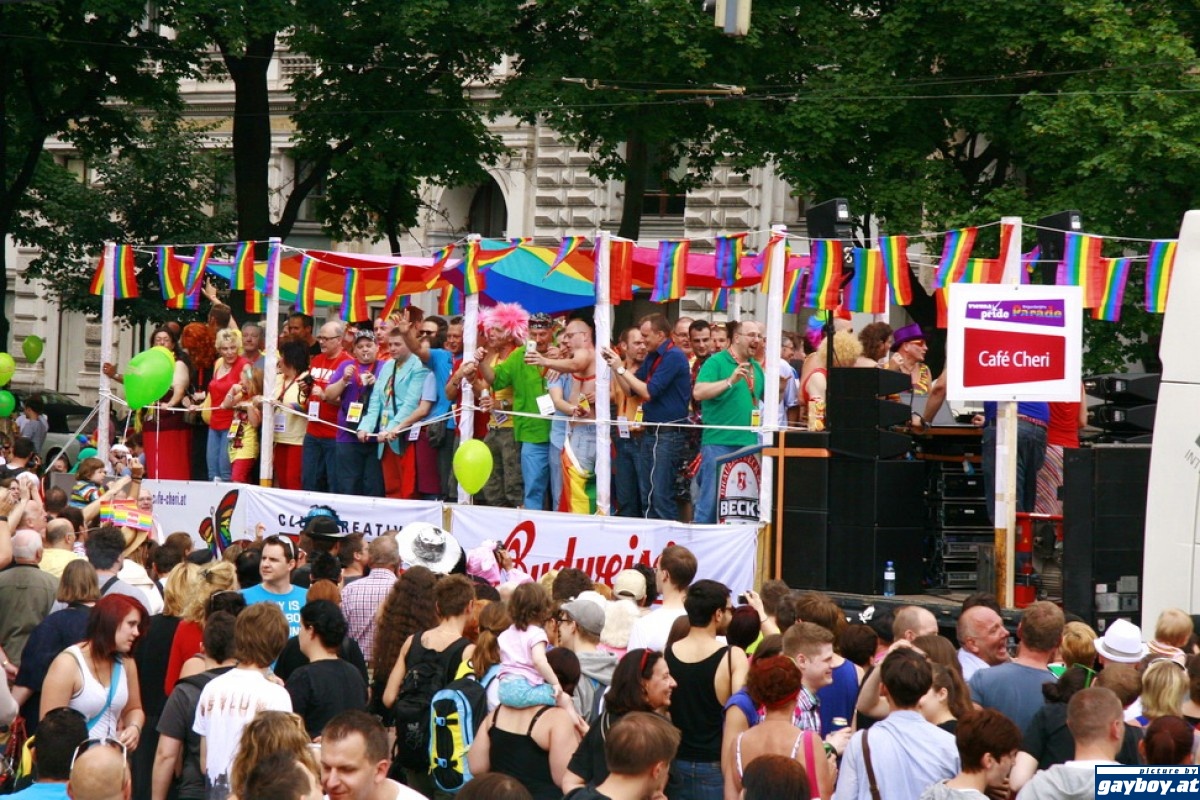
point(428, 671)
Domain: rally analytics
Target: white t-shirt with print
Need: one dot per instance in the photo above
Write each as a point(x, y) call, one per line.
point(226, 706)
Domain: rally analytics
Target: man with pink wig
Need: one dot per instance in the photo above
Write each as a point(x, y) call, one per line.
point(504, 326)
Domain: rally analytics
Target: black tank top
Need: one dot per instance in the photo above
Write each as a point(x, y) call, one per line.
point(695, 709)
point(519, 756)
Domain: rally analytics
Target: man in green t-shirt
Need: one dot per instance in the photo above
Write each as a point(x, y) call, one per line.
point(729, 388)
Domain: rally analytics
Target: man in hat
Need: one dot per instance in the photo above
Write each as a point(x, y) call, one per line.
point(580, 623)
point(323, 532)
point(908, 356)
point(358, 470)
point(528, 382)
point(421, 544)
point(1121, 644)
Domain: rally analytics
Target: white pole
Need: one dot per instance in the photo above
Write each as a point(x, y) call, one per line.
point(104, 425)
point(466, 427)
point(770, 420)
point(603, 378)
point(1005, 500)
point(270, 361)
point(734, 312)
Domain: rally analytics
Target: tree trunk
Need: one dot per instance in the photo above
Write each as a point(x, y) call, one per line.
point(252, 138)
point(636, 157)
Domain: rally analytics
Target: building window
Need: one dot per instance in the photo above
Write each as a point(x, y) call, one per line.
point(310, 209)
point(663, 198)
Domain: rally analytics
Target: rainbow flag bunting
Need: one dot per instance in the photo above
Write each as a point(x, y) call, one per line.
point(354, 297)
point(306, 285)
point(569, 245)
point(794, 283)
point(242, 276)
point(1081, 260)
point(620, 270)
point(256, 302)
point(440, 257)
point(1029, 263)
point(670, 276)
point(478, 261)
point(1112, 293)
point(578, 485)
point(867, 290)
point(520, 241)
point(826, 274)
point(979, 270)
point(728, 252)
point(719, 300)
point(955, 252)
point(395, 299)
point(125, 274)
point(765, 258)
point(195, 276)
point(894, 250)
point(1158, 274)
point(172, 273)
point(450, 301)
point(943, 306)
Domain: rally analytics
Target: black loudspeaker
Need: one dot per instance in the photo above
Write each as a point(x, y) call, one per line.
point(1104, 522)
point(889, 494)
point(1130, 402)
point(805, 549)
point(859, 414)
point(830, 219)
point(1051, 238)
point(859, 553)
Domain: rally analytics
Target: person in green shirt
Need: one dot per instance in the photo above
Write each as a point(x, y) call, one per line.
point(729, 388)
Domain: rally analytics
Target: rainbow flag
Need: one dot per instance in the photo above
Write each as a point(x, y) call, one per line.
point(719, 300)
point(171, 273)
point(1081, 259)
point(242, 276)
point(765, 258)
point(125, 274)
point(195, 276)
point(826, 274)
point(894, 250)
point(1029, 263)
point(256, 302)
point(306, 285)
point(670, 276)
point(569, 245)
point(519, 241)
point(440, 257)
point(1112, 293)
point(579, 485)
point(450, 301)
point(395, 299)
point(943, 305)
point(477, 262)
point(955, 252)
point(1159, 264)
point(979, 270)
point(354, 297)
point(867, 290)
point(793, 289)
point(728, 252)
point(620, 270)
point(1006, 236)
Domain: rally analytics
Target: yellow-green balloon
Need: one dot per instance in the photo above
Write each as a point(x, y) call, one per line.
point(7, 367)
point(32, 348)
point(8, 403)
point(148, 377)
point(472, 465)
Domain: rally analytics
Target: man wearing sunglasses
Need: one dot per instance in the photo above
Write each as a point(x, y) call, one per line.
point(99, 771)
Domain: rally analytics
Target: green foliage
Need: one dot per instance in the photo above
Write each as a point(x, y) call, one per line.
point(161, 187)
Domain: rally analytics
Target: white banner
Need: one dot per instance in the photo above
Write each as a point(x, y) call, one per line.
point(234, 510)
point(603, 546)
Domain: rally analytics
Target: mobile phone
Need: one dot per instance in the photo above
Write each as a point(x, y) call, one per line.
point(742, 599)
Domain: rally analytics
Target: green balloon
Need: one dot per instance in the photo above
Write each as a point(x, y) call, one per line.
point(472, 465)
point(8, 403)
point(7, 368)
point(148, 377)
point(32, 347)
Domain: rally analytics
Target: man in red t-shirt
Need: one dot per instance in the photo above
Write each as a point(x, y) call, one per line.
point(318, 468)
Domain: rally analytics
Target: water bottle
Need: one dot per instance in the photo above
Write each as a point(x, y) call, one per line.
point(889, 580)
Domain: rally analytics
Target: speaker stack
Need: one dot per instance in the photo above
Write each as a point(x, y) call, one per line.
point(1129, 402)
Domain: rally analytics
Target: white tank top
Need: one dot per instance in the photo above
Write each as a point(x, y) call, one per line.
point(93, 696)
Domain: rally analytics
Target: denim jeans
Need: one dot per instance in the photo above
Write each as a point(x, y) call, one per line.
point(535, 472)
point(705, 512)
point(358, 469)
point(658, 464)
point(1031, 453)
point(217, 456)
point(556, 476)
point(695, 780)
point(625, 491)
point(583, 444)
point(320, 468)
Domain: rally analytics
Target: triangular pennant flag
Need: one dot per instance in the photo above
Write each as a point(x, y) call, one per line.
point(719, 300)
point(670, 276)
point(395, 299)
point(569, 245)
point(894, 251)
point(450, 301)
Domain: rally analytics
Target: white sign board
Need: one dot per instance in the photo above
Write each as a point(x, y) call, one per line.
point(1014, 342)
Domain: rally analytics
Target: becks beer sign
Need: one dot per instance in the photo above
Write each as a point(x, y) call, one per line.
point(1014, 342)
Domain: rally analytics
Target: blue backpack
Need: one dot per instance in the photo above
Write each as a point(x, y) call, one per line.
point(455, 714)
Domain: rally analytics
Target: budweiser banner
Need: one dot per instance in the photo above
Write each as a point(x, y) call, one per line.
point(603, 546)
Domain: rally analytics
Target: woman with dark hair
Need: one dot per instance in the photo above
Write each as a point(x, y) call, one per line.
point(97, 677)
point(408, 608)
point(876, 340)
point(288, 417)
point(494, 786)
point(771, 777)
point(774, 685)
point(948, 699)
point(1169, 740)
point(79, 589)
point(745, 629)
point(640, 682)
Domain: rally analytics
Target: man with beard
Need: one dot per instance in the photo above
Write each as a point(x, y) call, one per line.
point(707, 674)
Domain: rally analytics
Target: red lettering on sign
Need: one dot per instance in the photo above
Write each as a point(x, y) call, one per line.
point(602, 568)
point(992, 358)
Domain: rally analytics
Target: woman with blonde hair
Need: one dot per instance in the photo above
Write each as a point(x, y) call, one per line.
point(245, 399)
point(270, 732)
point(227, 373)
point(220, 576)
point(1164, 687)
point(846, 350)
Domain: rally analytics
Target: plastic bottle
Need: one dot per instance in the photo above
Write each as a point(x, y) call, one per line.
point(889, 580)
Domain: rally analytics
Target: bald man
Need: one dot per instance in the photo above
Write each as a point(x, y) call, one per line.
point(913, 621)
point(100, 773)
point(60, 547)
point(983, 640)
point(26, 595)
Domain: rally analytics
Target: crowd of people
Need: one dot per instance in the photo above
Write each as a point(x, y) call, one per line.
point(407, 666)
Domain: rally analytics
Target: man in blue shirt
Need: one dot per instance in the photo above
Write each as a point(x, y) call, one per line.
point(1032, 422)
point(664, 382)
point(278, 561)
point(59, 733)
